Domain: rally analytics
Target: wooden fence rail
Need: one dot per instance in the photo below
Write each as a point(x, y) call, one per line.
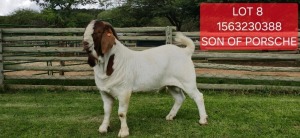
point(24, 53)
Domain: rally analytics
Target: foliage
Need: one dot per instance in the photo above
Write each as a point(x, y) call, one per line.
point(124, 16)
point(117, 17)
point(24, 17)
point(62, 4)
point(48, 18)
point(251, 1)
point(82, 19)
point(176, 11)
point(32, 17)
point(63, 10)
point(184, 14)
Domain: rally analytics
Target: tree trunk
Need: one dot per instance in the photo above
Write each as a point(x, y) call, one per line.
point(174, 22)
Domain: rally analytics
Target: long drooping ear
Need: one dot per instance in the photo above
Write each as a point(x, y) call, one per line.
point(91, 60)
point(113, 31)
point(108, 39)
point(108, 25)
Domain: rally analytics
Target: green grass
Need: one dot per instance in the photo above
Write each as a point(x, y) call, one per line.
point(199, 80)
point(40, 113)
point(247, 82)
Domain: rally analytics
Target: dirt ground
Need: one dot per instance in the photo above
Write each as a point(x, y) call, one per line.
point(89, 73)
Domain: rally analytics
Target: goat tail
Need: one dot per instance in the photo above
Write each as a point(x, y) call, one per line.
point(184, 40)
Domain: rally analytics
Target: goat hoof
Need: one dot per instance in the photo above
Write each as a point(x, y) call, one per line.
point(203, 121)
point(169, 117)
point(103, 129)
point(124, 132)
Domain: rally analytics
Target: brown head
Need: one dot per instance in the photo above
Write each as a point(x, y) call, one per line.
point(99, 37)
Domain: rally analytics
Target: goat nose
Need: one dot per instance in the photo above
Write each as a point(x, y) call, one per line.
point(85, 45)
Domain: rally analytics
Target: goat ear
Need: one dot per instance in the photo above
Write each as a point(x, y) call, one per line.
point(91, 60)
point(107, 42)
point(114, 32)
point(111, 29)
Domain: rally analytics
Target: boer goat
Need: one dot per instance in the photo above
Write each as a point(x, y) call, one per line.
point(120, 71)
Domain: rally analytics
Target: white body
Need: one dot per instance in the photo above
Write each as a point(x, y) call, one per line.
point(167, 65)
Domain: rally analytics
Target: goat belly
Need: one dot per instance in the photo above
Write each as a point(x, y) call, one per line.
point(151, 77)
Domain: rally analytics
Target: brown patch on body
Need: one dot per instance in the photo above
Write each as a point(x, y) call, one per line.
point(109, 68)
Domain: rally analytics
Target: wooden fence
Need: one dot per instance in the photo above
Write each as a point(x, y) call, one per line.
point(55, 54)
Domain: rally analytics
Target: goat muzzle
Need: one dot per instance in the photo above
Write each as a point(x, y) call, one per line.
point(86, 47)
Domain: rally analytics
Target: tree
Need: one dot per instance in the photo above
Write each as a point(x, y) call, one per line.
point(176, 11)
point(50, 17)
point(107, 4)
point(81, 19)
point(124, 16)
point(63, 10)
point(26, 17)
point(119, 17)
point(62, 4)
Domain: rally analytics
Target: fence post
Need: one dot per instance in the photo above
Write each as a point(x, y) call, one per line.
point(168, 35)
point(62, 63)
point(1, 61)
